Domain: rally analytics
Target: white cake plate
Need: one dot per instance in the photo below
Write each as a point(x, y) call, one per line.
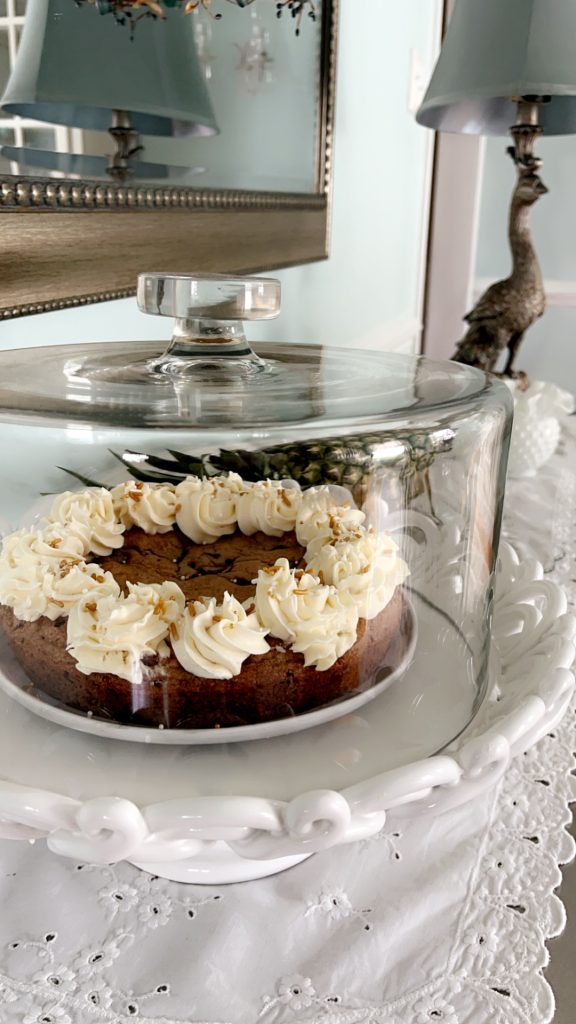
point(246, 810)
point(54, 712)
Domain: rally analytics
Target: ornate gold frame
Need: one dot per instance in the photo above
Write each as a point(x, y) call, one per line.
point(70, 243)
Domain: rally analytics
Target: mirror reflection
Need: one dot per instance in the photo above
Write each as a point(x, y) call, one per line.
point(200, 94)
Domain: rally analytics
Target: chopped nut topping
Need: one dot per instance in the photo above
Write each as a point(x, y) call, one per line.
point(174, 631)
point(91, 607)
point(55, 543)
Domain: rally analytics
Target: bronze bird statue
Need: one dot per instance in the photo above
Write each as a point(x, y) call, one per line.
point(508, 308)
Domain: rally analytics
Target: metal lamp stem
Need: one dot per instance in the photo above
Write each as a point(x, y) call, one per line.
point(127, 146)
point(525, 133)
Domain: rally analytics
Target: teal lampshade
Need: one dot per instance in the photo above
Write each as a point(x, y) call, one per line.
point(496, 51)
point(76, 68)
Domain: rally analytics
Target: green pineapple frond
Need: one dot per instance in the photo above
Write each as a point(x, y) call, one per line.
point(350, 461)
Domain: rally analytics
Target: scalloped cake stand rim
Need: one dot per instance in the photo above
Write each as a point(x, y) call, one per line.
point(220, 839)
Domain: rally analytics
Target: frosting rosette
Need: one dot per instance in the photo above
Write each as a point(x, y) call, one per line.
point(312, 617)
point(64, 584)
point(33, 567)
point(114, 632)
point(366, 567)
point(320, 519)
point(152, 507)
point(89, 514)
point(269, 507)
point(212, 640)
point(206, 509)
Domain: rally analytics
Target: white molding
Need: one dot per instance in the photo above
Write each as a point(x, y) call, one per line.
point(558, 293)
point(456, 198)
point(454, 231)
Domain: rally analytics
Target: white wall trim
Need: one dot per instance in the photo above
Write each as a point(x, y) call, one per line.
point(453, 238)
point(558, 293)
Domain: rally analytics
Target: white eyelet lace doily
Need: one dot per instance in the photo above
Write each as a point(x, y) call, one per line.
point(433, 921)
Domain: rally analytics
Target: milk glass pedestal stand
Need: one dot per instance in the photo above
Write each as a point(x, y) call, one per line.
point(166, 810)
point(420, 446)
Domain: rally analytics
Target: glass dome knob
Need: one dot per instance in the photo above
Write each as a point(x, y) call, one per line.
point(209, 310)
point(212, 296)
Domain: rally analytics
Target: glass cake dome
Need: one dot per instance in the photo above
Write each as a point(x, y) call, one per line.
point(213, 543)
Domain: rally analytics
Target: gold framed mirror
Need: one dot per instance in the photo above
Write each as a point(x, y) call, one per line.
point(68, 241)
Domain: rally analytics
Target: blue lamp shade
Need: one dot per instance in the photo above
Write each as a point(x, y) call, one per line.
point(76, 68)
point(496, 51)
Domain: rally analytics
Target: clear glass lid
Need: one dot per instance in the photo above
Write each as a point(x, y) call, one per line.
point(211, 545)
point(210, 375)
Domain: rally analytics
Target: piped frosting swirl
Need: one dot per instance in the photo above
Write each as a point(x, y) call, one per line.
point(110, 632)
point(212, 640)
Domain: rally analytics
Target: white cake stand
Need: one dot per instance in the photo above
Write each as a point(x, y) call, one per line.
point(245, 810)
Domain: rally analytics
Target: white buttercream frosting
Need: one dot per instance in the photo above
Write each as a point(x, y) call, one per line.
point(319, 516)
point(365, 566)
point(90, 514)
point(49, 545)
point(34, 570)
point(152, 507)
point(213, 640)
point(65, 584)
point(113, 633)
point(269, 507)
point(206, 509)
point(313, 618)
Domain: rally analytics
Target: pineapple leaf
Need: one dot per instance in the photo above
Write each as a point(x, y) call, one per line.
point(136, 469)
point(86, 480)
point(187, 464)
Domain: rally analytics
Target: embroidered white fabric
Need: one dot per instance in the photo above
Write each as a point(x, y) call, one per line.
point(433, 921)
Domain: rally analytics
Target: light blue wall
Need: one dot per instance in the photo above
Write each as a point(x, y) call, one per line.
point(549, 349)
point(370, 285)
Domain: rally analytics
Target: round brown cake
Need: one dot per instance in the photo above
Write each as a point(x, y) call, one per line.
point(270, 686)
